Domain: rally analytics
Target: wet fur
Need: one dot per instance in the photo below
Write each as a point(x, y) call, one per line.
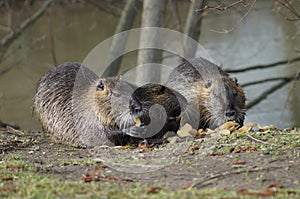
point(209, 90)
point(80, 117)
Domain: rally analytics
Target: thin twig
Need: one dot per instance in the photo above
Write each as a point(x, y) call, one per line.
point(257, 140)
point(262, 66)
point(266, 94)
point(104, 6)
point(240, 21)
point(52, 44)
point(7, 40)
point(265, 80)
point(288, 6)
point(227, 174)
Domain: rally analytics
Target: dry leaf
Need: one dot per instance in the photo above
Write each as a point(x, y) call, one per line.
point(153, 190)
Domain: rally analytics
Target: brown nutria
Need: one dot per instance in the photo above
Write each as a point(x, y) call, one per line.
point(216, 97)
point(80, 109)
point(157, 109)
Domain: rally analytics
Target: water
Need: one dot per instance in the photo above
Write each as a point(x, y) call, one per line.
point(264, 37)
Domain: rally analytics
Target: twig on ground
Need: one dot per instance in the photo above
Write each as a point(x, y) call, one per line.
point(227, 174)
point(257, 140)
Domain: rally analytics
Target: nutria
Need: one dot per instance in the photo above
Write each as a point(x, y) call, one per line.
point(80, 109)
point(157, 109)
point(210, 91)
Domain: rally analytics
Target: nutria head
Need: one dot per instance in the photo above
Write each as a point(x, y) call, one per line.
point(156, 109)
point(112, 95)
point(221, 100)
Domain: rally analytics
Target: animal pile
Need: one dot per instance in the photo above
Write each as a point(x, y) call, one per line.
point(78, 108)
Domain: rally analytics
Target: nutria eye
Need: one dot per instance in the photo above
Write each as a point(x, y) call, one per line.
point(161, 90)
point(208, 83)
point(100, 86)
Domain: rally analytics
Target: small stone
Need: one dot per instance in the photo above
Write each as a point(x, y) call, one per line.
point(173, 139)
point(193, 132)
point(184, 131)
point(224, 132)
point(209, 131)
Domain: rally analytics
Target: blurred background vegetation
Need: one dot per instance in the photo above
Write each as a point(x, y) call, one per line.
point(256, 41)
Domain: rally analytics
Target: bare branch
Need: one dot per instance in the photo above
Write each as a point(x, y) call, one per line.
point(240, 21)
point(7, 69)
point(265, 80)
point(9, 38)
point(104, 6)
point(262, 66)
point(267, 93)
point(52, 44)
point(289, 7)
point(222, 7)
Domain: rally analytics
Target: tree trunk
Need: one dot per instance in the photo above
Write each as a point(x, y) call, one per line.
point(153, 16)
point(192, 29)
point(119, 43)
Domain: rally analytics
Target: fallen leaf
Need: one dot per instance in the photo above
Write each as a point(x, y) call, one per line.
point(7, 178)
point(224, 132)
point(278, 185)
point(184, 131)
point(123, 147)
point(89, 177)
point(245, 149)
point(216, 154)
point(8, 189)
point(192, 149)
point(153, 190)
point(268, 192)
point(238, 162)
point(187, 185)
point(264, 128)
point(118, 179)
point(100, 167)
point(14, 167)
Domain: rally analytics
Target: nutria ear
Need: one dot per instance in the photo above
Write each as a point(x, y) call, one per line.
point(100, 85)
point(161, 90)
point(235, 80)
point(208, 83)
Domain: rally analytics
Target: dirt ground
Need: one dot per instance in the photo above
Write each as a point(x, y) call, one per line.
point(231, 162)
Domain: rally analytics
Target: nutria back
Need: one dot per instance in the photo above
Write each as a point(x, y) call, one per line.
point(214, 96)
point(80, 109)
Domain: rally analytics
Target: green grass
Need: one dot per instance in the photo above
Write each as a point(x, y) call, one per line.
point(276, 142)
point(24, 182)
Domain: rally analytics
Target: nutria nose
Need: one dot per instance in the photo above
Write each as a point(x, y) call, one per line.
point(229, 113)
point(134, 105)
